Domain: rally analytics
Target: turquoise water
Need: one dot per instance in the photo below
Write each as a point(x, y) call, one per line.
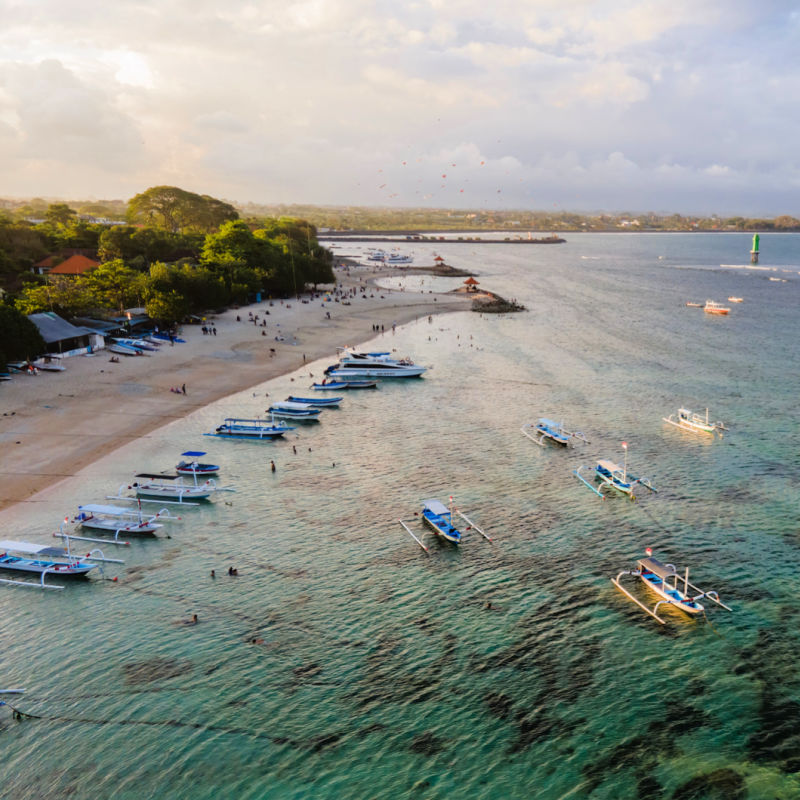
point(381, 672)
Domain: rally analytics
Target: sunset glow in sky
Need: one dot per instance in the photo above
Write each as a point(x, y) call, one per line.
point(686, 106)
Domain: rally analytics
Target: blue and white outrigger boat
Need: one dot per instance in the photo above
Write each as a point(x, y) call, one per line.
point(250, 429)
point(439, 518)
point(613, 476)
point(46, 560)
point(322, 402)
point(114, 520)
point(664, 581)
point(547, 430)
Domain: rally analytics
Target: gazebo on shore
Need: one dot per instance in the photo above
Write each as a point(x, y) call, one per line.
point(471, 284)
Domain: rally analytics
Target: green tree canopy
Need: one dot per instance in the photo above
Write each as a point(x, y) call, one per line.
point(19, 337)
point(60, 214)
point(173, 209)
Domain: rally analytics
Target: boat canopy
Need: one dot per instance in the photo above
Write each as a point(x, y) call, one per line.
point(194, 453)
point(549, 423)
point(684, 412)
point(115, 511)
point(657, 568)
point(436, 507)
point(609, 465)
point(33, 549)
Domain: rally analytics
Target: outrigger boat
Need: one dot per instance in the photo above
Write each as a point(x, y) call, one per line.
point(114, 520)
point(302, 412)
point(253, 429)
point(663, 579)
point(47, 561)
point(336, 386)
point(546, 430)
point(614, 476)
point(322, 402)
point(688, 421)
point(439, 518)
point(162, 486)
point(193, 466)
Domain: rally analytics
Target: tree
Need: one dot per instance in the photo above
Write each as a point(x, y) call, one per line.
point(19, 337)
point(115, 285)
point(60, 214)
point(173, 209)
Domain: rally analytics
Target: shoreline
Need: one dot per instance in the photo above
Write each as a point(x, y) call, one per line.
point(54, 424)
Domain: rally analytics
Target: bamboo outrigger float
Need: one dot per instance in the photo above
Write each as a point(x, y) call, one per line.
point(613, 476)
point(663, 579)
point(689, 421)
point(546, 430)
point(439, 518)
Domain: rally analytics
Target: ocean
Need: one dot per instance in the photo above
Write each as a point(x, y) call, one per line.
point(344, 662)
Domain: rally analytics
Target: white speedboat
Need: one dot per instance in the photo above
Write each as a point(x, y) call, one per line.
point(373, 365)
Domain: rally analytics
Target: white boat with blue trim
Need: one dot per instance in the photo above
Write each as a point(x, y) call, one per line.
point(302, 412)
point(672, 589)
point(373, 365)
point(439, 518)
point(614, 476)
point(547, 430)
point(322, 402)
point(250, 429)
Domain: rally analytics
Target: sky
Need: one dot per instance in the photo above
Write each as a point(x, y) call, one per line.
point(672, 106)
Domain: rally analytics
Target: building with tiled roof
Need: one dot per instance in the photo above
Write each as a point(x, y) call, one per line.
point(74, 265)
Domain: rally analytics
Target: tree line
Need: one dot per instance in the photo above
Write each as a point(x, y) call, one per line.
point(177, 253)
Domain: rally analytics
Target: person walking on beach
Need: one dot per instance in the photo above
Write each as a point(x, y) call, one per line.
point(183, 388)
point(272, 466)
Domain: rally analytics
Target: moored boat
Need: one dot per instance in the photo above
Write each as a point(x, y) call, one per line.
point(325, 402)
point(614, 476)
point(195, 467)
point(337, 386)
point(41, 560)
point(373, 365)
point(688, 421)
point(715, 308)
point(664, 581)
point(252, 429)
point(439, 518)
point(547, 430)
point(298, 411)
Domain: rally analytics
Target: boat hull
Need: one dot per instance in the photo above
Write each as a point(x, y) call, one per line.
point(377, 372)
point(38, 566)
point(673, 596)
point(441, 527)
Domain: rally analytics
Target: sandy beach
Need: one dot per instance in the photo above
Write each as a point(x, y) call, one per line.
point(55, 423)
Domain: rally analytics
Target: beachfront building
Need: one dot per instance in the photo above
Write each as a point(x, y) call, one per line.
point(63, 338)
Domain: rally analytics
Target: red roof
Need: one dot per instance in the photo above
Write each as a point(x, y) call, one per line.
point(471, 281)
point(74, 265)
point(45, 262)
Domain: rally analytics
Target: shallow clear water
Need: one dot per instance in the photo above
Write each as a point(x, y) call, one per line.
point(382, 673)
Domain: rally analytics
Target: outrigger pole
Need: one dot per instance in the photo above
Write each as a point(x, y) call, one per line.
point(473, 525)
point(577, 474)
point(411, 533)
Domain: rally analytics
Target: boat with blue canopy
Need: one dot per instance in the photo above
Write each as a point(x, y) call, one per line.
point(547, 430)
point(194, 467)
point(667, 584)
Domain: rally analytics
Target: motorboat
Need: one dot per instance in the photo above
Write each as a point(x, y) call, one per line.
point(290, 410)
point(338, 386)
point(253, 429)
point(189, 465)
point(322, 402)
point(715, 308)
point(373, 365)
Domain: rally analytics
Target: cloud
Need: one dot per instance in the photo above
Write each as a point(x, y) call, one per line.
point(537, 101)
